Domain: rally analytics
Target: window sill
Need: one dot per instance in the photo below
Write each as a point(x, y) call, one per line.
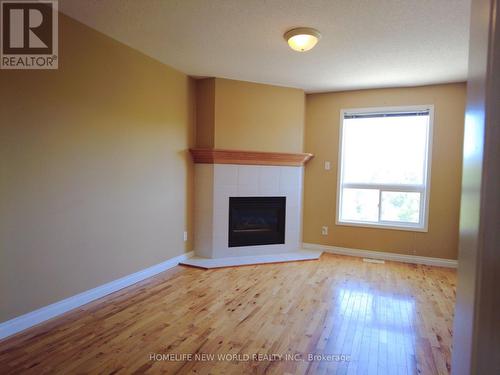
point(408, 228)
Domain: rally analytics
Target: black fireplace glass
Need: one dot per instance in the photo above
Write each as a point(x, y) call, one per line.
point(256, 221)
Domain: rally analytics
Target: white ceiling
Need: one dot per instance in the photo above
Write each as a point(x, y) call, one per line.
point(365, 43)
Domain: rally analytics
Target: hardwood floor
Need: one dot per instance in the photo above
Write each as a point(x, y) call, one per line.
point(391, 318)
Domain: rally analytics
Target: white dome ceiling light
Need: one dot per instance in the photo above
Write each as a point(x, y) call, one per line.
point(302, 39)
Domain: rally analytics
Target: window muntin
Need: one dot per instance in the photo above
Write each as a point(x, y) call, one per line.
point(384, 167)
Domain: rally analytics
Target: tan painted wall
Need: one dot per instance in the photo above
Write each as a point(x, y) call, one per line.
point(205, 112)
point(252, 116)
point(95, 179)
point(322, 139)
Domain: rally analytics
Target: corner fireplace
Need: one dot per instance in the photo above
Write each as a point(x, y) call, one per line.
point(256, 221)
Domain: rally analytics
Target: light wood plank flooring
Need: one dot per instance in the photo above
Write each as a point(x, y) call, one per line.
point(393, 318)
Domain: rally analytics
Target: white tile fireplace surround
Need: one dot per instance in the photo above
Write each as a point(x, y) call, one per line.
point(215, 184)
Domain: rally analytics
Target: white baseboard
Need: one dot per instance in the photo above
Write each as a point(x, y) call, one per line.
point(440, 262)
point(32, 318)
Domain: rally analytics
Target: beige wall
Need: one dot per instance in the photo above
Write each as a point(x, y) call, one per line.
point(322, 139)
point(249, 116)
point(95, 179)
point(205, 112)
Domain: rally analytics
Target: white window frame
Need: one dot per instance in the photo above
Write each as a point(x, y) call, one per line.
point(424, 189)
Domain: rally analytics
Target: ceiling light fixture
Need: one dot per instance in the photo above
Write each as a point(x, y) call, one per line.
point(302, 39)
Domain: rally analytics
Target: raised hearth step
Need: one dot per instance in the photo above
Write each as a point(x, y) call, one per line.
point(294, 256)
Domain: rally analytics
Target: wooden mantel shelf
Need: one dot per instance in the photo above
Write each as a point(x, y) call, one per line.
point(217, 156)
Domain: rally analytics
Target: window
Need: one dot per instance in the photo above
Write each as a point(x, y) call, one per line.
point(384, 167)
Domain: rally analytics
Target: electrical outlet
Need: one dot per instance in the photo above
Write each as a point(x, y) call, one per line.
point(328, 165)
point(185, 236)
point(324, 230)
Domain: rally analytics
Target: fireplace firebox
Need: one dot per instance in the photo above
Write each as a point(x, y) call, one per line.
point(256, 221)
